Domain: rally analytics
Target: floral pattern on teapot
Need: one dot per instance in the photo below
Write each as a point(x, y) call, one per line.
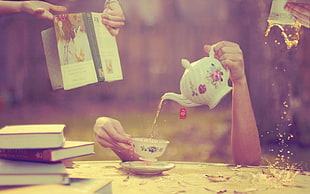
point(202, 88)
point(214, 76)
point(194, 90)
point(204, 82)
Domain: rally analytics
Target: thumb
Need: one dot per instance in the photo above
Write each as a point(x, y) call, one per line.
point(58, 8)
point(113, 31)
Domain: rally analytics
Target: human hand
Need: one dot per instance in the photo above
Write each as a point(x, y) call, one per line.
point(113, 17)
point(300, 11)
point(231, 57)
point(110, 134)
point(41, 9)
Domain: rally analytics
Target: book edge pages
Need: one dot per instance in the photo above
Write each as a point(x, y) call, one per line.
point(52, 58)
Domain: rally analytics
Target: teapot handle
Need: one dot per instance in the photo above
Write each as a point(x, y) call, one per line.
point(211, 53)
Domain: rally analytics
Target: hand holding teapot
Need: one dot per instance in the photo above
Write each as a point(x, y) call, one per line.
point(204, 82)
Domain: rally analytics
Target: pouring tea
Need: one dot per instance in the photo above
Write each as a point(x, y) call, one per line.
point(204, 82)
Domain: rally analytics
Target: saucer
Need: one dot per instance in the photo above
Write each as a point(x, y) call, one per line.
point(147, 168)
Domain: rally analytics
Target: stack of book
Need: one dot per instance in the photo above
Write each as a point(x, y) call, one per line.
point(33, 154)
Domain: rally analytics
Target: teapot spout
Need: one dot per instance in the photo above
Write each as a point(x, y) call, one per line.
point(182, 100)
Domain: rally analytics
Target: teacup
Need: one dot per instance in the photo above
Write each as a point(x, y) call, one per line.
point(149, 149)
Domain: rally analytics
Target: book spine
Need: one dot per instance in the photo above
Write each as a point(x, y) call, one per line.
point(28, 154)
point(91, 35)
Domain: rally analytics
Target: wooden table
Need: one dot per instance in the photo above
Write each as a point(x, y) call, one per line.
point(191, 177)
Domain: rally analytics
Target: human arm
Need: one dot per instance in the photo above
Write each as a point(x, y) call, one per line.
point(300, 11)
point(39, 9)
point(113, 17)
point(109, 133)
point(244, 133)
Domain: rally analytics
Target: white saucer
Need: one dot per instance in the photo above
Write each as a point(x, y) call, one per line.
point(147, 168)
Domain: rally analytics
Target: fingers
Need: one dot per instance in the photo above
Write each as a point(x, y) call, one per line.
point(223, 47)
point(231, 57)
point(112, 23)
point(225, 50)
point(110, 134)
point(107, 143)
point(115, 21)
point(43, 10)
point(110, 15)
point(305, 22)
point(113, 129)
point(300, 11)
point(58, 8)
point(113, 31)
point(119, 129)
point(113, 18)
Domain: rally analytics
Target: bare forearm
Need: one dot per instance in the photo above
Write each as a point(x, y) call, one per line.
point(245, 139)
point(9, 7)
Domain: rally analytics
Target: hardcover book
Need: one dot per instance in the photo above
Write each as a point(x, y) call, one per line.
point(71, 149)
point(32, 173)
point(77, 185)
point(79, 50)
point(32, 136)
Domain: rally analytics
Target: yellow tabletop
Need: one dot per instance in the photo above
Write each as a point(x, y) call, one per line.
point(191, 177)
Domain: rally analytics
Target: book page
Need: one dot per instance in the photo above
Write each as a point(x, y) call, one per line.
point(108, 50)
point(75, 57)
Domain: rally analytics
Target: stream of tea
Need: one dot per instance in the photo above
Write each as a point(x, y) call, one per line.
point(151, 135)
point(280, 175)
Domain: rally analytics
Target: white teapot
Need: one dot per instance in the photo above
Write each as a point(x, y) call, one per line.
point(204, 82)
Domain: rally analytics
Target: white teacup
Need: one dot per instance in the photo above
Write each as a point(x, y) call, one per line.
point(148, 148)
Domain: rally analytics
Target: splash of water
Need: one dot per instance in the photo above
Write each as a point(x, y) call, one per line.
point(290, 33)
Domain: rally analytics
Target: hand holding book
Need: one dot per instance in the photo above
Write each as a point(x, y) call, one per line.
point(83, 51)
point(113, 16)
point(39, 9)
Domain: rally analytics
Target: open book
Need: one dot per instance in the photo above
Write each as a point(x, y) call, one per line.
point(79, 50)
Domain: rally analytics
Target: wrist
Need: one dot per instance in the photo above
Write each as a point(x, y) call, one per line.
point(240, 82)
